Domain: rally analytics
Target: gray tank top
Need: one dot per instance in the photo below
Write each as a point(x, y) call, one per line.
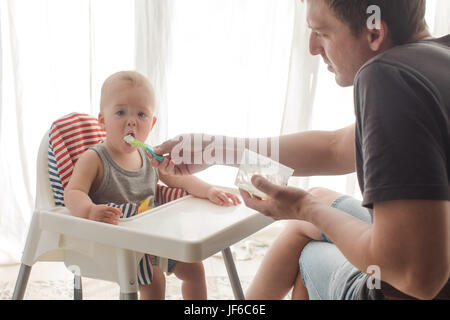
point(121, 186)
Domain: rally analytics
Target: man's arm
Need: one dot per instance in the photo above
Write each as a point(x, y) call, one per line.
point(409, 241)
point(309, 153)
point(322, 153)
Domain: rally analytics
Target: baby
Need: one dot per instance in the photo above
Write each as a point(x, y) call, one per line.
point(117, 172)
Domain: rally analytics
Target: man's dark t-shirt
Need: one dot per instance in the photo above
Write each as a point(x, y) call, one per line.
point(402, 105)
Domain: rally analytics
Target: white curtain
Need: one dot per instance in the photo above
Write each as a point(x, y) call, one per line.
point(229, 69)
point(55, 55)
point(441, 23)
point(153, 53)
point(301, 88)
point(234, 67)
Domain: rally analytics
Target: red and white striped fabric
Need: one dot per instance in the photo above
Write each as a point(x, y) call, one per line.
point(70, 136)
point(165, 194)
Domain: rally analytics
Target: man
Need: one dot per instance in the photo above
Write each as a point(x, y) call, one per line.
point(399, 147)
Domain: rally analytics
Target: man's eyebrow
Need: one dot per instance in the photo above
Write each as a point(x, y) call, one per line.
point(316, 27)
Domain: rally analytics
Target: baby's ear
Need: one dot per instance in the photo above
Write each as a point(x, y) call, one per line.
point(101, 120)
point(154, 121)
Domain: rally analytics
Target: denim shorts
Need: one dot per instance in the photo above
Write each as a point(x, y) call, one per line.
point(326, 273)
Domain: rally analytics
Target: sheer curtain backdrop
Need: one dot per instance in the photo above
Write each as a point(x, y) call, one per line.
point(229, 70)
point(55, 55)
point(154, 19)
point(233, 67)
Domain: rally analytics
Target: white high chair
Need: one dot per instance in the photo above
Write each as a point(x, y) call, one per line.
point(188, 229)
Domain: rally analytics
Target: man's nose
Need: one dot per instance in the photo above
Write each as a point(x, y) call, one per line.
point(315, 47)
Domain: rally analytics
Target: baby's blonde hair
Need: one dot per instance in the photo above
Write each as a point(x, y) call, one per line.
point(133, 77)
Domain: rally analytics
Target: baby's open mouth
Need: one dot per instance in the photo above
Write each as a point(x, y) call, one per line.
point(131, 134)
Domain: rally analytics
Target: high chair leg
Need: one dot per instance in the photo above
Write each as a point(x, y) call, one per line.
point(232, 274)
point(126, 263)
point(21, 283)
point(28, 258)
point(77, 288)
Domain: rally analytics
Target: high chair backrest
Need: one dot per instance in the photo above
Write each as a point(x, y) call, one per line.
point(69, 138)
point(44, 194)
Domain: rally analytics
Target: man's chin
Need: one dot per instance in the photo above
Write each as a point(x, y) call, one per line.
point(343, 82)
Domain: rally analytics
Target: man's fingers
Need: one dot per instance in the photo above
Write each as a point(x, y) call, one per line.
point(171, 168)
point(167, 146)
point(265, 186)
point(164, 164)
point(155, 163)
point(254, 202)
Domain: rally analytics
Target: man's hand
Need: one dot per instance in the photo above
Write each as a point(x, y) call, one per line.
point(104, 213)
point(185, 154)
point(166, 167)
point(284, 203)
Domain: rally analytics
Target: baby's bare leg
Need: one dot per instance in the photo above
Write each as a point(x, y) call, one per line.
point(279, 269)
point(157, 289)
point(194, 282)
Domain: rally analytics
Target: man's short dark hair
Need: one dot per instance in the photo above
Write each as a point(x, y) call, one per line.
point(405, 18)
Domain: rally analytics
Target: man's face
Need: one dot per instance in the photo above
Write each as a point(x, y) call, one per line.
point(344, 53)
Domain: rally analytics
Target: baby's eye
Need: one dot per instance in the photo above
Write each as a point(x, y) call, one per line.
point(142, 114)
point(120, 113)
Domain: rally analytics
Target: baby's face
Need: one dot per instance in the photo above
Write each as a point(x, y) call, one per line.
point(128, 110)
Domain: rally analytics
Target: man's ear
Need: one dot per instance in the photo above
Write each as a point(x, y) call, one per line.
point(101, 121)
point(154, 121)
point(378, 37)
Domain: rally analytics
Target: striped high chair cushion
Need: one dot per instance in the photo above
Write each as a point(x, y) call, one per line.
point(69, 137)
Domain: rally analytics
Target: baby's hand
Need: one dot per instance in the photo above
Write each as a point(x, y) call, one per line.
point(104, 213)
point(222, 198)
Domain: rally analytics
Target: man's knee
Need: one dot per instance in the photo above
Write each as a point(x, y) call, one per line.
point(305, 258)
point(325, 195)
point(298, 231)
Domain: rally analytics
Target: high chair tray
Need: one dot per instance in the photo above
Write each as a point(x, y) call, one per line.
point(188, 229)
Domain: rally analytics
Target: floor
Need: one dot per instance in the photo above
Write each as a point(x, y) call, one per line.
point(52, 281)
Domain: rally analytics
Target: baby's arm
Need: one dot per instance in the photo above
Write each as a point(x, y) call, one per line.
point(200, 189)
point(76, 193)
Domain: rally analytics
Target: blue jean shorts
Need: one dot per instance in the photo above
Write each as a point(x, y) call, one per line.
point(326, 273)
